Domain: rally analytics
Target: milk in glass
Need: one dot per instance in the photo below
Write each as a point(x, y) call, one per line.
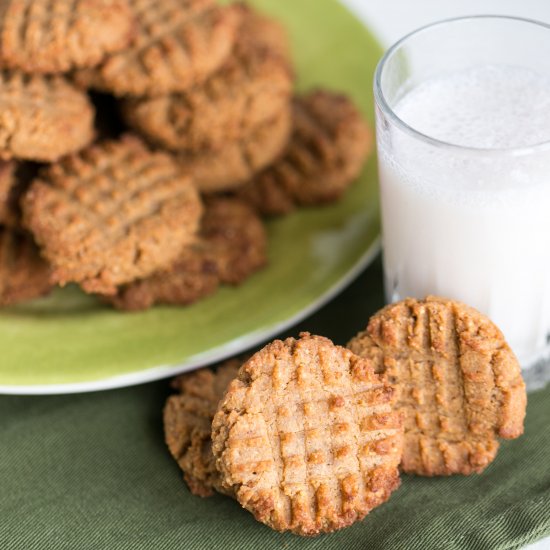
point(471, 221)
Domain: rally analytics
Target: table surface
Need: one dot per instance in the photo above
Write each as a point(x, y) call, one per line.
point(392, 19)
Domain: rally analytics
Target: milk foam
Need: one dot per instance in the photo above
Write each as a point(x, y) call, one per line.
point(493, 109)
point(488, 107)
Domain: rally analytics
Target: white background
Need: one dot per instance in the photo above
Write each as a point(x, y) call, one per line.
point(391, 19)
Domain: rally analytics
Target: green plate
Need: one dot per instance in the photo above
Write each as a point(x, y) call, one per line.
point(69, 342)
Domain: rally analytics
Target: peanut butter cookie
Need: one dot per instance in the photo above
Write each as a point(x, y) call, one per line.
point(112, 213)
point(264, 30)
point(237, 161)
point(231, 246)
point(177, 44)
point(42, 117)
point(253, 86)
point(24, 275)
point(38, 36)
point(194, 275)
point(458, 384)
point(236, 237)
point(188, 424)
point(328, 148)
point(306, 438)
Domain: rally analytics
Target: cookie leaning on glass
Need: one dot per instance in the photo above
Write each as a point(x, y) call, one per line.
point(458, 383)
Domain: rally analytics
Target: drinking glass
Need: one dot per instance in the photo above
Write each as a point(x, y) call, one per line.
point(467, 223)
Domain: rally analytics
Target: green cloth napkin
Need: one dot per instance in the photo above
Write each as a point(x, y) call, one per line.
point(91, 471)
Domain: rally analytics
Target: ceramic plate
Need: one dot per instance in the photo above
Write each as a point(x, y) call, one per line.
point(69, 342)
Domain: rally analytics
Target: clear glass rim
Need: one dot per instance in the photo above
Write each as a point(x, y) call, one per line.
point(390, 113)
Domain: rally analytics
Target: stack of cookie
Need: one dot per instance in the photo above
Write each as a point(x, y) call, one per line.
point(167, 204)
point(44, 116)
point(310, 437)
point(228, 127)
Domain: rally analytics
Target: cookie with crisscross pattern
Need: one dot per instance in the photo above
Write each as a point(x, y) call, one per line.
point(42, 117)
point(53, 36)
point(177, 43)
point(231, 245)
point(237, 161)
point(113, 213)
point(458, 384)
point(24, 275)
point(329, 145)
point(188, 424)
point(252, 87)
point(194, 275)
point(306, 438)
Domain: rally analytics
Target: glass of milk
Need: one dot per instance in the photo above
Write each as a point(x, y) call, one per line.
point(463, 133)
